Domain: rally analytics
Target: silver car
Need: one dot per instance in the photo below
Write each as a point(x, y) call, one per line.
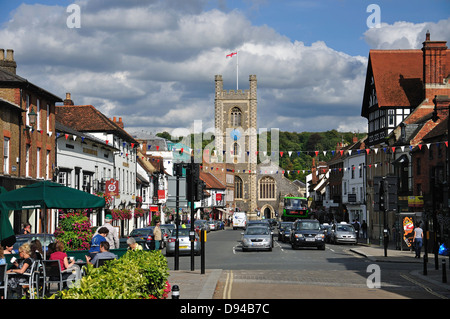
point(184, 244)
point(343, 233)
point(257, 238)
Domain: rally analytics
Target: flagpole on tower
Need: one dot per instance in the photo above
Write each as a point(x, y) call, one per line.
point(237, 71)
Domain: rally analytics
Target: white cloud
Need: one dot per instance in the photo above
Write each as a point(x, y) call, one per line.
point(153, 63)
point(406, 35)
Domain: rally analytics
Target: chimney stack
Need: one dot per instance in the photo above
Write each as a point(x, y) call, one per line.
point(68, 100)
point(8, 64)
point(434, 57)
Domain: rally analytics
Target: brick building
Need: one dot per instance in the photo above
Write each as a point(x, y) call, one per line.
point(28, 148)
point(398, 104)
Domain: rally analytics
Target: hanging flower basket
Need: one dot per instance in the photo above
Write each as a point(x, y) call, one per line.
point(139, 212)
point(121, 214)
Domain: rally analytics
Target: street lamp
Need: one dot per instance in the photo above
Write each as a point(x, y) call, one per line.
point(32, 116)
point(444, 102)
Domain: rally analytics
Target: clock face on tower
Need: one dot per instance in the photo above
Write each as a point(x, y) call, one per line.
point(235, 134)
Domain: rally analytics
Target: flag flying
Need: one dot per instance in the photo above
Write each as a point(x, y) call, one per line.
point(231, 54)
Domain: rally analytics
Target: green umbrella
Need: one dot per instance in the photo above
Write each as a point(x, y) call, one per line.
point(7, 237)
point(46, 195)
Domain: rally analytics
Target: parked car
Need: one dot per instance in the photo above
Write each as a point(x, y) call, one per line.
point(212, 224)
point(202, 224)
point(144, 237)
point(284, 231)
point(166, 230)
point(184, 243)
point(45, 240)
point(307, 233)
point(343, 233)
point(257, 237)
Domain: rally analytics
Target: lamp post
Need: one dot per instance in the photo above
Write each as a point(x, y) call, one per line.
point(444, 102)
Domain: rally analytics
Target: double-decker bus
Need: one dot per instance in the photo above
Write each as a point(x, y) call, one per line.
point(294, 208)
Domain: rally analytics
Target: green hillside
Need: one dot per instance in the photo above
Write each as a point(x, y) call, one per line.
point(296, 150)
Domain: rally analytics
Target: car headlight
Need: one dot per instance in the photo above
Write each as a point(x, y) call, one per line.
point(298, 235)
point(320, 236)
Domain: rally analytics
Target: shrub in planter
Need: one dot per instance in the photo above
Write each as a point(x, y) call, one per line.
point(136, 275)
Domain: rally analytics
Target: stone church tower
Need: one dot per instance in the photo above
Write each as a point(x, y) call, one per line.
point(236, 139)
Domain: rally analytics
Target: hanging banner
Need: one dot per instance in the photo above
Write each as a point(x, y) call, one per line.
point(112, 187)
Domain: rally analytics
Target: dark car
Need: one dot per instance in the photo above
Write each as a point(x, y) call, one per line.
point(284, 231)
point(45, 240)
point(307, 233)
point(144, 237)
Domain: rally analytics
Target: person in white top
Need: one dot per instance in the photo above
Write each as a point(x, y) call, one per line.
point(418, 240)
point(113, 237)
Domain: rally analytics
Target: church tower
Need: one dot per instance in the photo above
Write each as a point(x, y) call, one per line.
point(236, 139)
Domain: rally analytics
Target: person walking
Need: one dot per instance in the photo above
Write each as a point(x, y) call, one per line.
point(364, 229)
point(157, 235)
point(418, 240)
point(113, 237)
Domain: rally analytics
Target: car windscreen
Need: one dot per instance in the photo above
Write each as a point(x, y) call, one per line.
point(141, 232)
point(257, 231)
point(345, 228)
point(181, 232)
point(308, 226)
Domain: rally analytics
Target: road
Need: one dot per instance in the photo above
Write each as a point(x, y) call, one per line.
point(284, 273)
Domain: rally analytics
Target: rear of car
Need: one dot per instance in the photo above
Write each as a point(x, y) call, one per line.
point(144, 237)
point(307, 233)
point(184, 243)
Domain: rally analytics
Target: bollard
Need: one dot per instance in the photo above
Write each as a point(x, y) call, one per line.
point(425, 270)
point(444, 272)
point(175, 292)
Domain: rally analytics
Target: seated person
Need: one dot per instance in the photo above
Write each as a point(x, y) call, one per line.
point(97, 240)
point(66, 267)
point(133, 245)
point(103, 254)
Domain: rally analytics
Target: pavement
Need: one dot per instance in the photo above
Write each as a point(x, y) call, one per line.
point(375, 253)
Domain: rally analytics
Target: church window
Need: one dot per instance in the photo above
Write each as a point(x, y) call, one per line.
point(238, 187)
point(236, 115)
point(267, 188)
point(235, 149)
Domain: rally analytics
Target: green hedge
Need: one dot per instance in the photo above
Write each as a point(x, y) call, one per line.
point(136, 275)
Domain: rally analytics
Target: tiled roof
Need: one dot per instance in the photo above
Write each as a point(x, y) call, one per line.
point(211, 181)
point(398, 76)
point(86, 118)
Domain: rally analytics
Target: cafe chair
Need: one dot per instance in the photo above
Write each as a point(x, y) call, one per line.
point(52, 274)
point(101, 261)
point(33, 275)
point(4, 280)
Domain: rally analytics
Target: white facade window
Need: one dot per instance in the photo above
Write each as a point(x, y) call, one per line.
point(38, 162)
point(38, 112)
point(6, 155)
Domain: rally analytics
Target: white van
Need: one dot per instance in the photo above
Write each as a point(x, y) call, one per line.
point(239, 220)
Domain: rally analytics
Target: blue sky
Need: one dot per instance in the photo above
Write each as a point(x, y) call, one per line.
point(153, 62)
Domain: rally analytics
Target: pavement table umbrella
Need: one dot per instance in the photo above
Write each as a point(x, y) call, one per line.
point(46, 195)
point(7, 237)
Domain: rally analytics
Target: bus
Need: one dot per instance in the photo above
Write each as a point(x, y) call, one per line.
point(294, 208)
